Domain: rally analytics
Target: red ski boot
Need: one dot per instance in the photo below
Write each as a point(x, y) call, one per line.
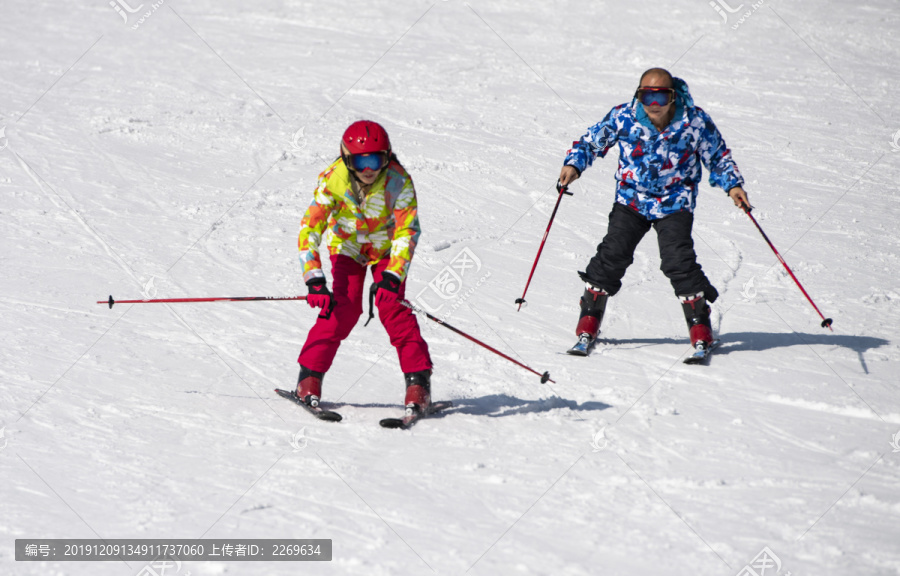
point(418, 391)
point(696, 313)
point(309, 386)
point(593, 305)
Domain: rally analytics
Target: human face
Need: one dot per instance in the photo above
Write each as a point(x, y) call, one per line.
point(655, 96)
point(659, 115)
point(367, 167)
point(367, 177)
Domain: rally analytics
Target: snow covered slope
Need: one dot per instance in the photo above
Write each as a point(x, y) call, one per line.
point(173, 156)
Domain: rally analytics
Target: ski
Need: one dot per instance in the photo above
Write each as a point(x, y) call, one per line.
point(317, 411)
point(583, 347)
point(701, 353)
point(413, 416)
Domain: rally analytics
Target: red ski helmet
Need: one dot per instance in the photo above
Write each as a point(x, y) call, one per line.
point(365, 137)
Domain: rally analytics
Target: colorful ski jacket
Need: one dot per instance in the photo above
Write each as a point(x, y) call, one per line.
point(659, 171)
point(384, 225)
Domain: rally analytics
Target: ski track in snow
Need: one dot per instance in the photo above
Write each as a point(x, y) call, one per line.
point(147, 166)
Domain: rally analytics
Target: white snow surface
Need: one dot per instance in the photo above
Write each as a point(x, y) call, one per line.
point(176, 160)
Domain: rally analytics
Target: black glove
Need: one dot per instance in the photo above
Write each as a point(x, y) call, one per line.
point(388, 289)
point(320, 296)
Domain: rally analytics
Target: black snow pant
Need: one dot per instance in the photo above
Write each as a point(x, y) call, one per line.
point(676, 249)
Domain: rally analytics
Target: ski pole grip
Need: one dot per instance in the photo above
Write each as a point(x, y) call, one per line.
point(326, 313)
point(563, 189)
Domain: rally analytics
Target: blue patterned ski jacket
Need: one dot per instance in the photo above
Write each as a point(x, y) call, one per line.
point(659, 171)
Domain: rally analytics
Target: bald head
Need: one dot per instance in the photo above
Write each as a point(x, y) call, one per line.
point(657, 78)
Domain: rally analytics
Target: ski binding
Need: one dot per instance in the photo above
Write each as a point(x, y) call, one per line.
point(317, 410)
point(701, 352)
point(413, 415)
point(583, 347)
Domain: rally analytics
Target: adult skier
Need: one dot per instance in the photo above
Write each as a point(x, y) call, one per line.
point(663, 138)
point(364, 208)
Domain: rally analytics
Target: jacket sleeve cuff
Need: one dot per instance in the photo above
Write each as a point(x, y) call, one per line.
point(736, 183)
point(398, 267)
point(313, 274)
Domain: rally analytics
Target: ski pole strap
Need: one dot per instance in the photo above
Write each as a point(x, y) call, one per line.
point(326, 312)
point(372, 290)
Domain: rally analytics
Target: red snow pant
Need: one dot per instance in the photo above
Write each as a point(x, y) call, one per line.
point(326, 335)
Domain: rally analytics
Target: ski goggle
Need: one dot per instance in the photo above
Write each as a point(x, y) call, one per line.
point(363, 162)
point(658, 96)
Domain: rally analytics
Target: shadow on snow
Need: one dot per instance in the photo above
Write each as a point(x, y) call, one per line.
point(497, 405)
point(760, 341)
point(493, 406)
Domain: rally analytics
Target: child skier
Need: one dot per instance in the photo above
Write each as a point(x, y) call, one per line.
point(365, 207)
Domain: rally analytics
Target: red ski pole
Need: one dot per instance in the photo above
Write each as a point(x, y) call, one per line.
point(826, 322)
point(545, 377)
point(227, 299)
point(562, 190)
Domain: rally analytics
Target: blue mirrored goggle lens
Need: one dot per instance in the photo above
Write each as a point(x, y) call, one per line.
point(658, 97)
point(363, 162)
